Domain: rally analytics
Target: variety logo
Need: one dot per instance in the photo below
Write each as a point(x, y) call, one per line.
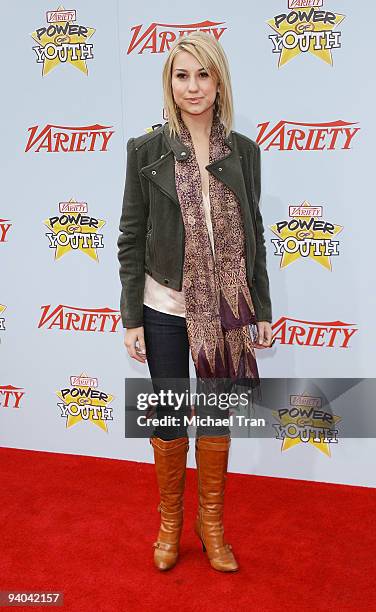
point(74, 230)
point(67, 139)
point(305, 235)
point(305, 29)
point(62, 41)
point(2, 319)
point(4, 228)
point(323, 334)
point(70, 318)
point(10, 397)
point(305, 421)
point(158, 37)
point(290, 135)
point(82, 401)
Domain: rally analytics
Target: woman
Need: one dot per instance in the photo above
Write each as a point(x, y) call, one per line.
point(193, 271)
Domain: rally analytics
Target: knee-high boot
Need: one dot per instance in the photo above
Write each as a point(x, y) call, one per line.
point(212, 460)
point(170, 459)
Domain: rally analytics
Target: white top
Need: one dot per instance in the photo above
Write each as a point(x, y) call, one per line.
point(168, 300)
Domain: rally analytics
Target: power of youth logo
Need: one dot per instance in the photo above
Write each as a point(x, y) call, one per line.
point(305, 421)
point(305, 235)
point(70, 318)
point(158, 37)
point(299, 136)
point(74, 230)
point(62, 41)
point(2, 318)
point(306, 28)
point(5, 225)
point(83, 401)
point(10, 396)
point(68, 139)
point(320, 334)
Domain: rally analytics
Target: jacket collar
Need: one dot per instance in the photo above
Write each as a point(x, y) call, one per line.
point(161, 172)
point(180, 151)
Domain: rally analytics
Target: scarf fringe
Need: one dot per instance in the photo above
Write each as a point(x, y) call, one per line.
point(235, 356)
point(244, 313)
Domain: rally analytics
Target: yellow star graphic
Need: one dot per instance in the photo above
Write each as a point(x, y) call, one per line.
point(317, 26)
point(302, 422)
point(61, 38)
point(2, 308)
point(304, 233)
point(71, 229)
point(74, 419)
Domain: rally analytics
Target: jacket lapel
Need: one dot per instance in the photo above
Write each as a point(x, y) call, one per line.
point(229, 171)
point(162, 174)
point(162, 171)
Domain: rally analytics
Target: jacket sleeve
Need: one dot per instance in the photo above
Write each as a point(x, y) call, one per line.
point(260, 287)
point(131, 244)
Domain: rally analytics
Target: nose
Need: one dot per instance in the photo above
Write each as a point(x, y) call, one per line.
point(193, 84)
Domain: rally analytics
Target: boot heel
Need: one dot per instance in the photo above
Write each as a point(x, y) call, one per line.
point(212, 460)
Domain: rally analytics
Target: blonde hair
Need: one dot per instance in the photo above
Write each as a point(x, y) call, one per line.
point(209, 52)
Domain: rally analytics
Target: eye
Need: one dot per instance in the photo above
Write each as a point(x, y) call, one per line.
point(204, 74)
point(180, 74)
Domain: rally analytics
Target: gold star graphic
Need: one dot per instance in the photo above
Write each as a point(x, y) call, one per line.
point(299, 27)
point(59, 39)
point(82, 401)
point(304, 233)
point(2, 308)
point(299, 422)
point(71, 229)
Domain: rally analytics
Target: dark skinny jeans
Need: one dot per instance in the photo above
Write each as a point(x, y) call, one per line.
point(167, 351)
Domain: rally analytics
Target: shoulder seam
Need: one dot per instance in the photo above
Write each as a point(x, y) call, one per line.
point(246, 139)
point(139, 141)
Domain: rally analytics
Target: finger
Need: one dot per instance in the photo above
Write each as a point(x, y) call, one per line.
point(260, 346)
point(132, 351)
point(140, 356)
point(141, 345)
point(141, 350)
point(135, 355)
point(261, 337)
point(269, 335)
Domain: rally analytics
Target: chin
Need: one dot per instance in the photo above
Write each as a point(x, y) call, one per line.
point(195, 110)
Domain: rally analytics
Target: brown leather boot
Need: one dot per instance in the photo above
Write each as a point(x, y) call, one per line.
point(212, 460)
point(170, 461)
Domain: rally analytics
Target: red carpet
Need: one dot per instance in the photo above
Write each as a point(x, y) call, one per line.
point(85, 526)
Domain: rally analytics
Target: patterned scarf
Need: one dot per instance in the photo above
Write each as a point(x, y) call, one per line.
point(220, 317)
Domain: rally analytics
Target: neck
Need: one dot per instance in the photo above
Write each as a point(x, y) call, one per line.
point(199, 126)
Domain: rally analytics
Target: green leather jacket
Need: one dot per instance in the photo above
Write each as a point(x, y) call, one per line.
point(151, 224)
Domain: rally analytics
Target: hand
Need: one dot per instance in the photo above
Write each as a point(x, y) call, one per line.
point(264, 338)
point(135, 343)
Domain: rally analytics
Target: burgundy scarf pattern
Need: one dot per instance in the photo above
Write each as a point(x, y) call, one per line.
point(220, 316)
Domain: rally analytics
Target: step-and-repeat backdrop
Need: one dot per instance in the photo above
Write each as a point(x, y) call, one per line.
point(78, 81)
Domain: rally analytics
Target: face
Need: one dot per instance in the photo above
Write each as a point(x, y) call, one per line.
point(193, 89)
